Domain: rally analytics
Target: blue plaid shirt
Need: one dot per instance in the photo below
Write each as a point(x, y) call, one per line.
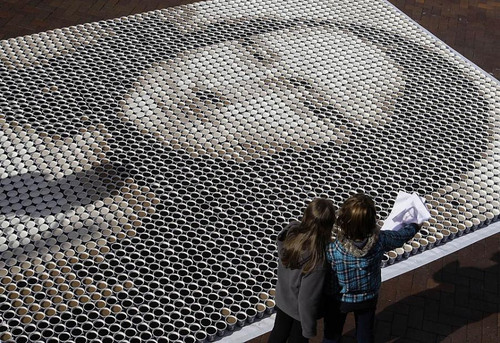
point(356, 279)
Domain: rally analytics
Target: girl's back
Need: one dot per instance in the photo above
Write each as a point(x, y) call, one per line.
point(355, 257)
point(356, 265)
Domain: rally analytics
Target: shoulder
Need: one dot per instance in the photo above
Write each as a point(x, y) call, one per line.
point(282, 235)
point(333, 247)
point(286, 229)
point(333, 244)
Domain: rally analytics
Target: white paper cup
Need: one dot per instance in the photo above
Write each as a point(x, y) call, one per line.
point(415, 245)
point(221, 328)
point(407, 250)
point(211, 332)
point(241, 319)
point(392, 257)
point(424, 233)
point(384, 261)
point(400, 252)
point(424, 243)
point(251, 314)
point(432, 242)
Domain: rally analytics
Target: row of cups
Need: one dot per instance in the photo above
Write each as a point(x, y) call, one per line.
point(178, 331)
point(229, 322)
point(427, 238)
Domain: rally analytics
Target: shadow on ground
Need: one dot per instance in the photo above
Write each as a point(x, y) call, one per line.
point(464, 296)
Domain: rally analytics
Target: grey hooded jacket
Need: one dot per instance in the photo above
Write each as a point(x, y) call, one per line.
point(300, 295)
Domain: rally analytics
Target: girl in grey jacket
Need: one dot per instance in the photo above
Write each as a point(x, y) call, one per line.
point(301, 273)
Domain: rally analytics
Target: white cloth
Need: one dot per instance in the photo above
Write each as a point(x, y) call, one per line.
point(408, 208)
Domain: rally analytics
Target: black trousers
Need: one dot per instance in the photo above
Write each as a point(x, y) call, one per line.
point(286, 329)
point(364, 316)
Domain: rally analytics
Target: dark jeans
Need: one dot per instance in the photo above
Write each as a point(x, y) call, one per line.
point(335, 318)
point(286, 329)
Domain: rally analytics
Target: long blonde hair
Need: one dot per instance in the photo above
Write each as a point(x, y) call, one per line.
point(310, 237)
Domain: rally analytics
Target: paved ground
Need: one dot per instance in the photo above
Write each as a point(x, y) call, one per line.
point(471, 27)
point(454, 299)
point(23, 17)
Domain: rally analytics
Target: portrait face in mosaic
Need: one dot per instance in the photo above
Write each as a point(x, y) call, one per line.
point(368, 94)
point(261, 94)
point(149, 162)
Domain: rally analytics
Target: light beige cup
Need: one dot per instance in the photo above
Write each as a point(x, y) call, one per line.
point(407, 250)
point(461, 229)
point(439, 238)
point(424, 243)
point(468, 226)
point(432, 242)
point(263, 296)
point(270, 306)
point(400, 252)
point(261, 309)
point(225, 311)
point(476, 224)
point(446, 235)
point(392, 257)
point(415, 245)
point(231, 322)
point(453, 232)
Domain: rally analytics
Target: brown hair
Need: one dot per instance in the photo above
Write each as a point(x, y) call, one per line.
point(310, 237)
point(357, 217)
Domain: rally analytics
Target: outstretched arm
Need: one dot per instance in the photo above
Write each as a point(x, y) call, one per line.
point(394, 239)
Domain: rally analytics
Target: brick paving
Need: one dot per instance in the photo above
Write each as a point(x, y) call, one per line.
point(24, 17)
point(471, 27)
point(454, 299)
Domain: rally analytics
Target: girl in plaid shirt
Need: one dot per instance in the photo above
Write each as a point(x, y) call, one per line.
point(355, 257)
point(301, 273)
